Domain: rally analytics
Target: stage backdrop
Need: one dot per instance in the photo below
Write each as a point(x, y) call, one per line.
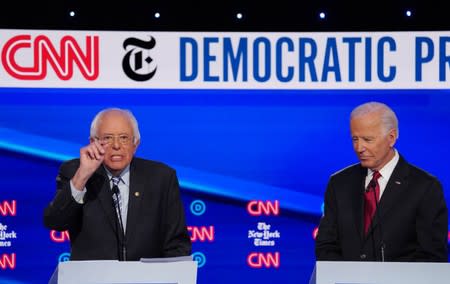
point(254, 124)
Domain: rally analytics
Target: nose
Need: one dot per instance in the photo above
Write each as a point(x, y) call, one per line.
point(359, 147)
point(115, 143)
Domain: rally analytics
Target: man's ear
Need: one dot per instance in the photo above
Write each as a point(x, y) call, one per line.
point(392, 136)
point(136, 145)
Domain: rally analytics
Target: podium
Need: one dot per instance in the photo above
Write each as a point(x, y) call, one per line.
point(112, 271)
point(355, 272)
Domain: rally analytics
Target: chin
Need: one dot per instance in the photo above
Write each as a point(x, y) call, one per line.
point(366, 164)
point(114, 166)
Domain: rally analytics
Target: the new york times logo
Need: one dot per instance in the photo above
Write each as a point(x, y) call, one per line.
point(5, 236)
point(137, 63)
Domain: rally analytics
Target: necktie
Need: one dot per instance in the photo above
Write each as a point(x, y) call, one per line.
point(117, 199)
point(371, 196)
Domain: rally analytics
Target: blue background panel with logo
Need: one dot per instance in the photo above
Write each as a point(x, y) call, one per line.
point(253, 167)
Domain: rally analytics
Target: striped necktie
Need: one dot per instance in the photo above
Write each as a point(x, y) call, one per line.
point(117, 198)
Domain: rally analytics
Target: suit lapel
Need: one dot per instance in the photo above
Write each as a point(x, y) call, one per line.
point(137, 182)
point(358, 202)
point(99, 182)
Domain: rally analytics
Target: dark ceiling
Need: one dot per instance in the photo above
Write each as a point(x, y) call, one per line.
point(202, 15)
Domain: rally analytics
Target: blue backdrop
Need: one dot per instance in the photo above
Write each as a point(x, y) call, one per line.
point(228, 146)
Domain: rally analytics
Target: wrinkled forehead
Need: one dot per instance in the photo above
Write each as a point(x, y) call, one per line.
point(366, 124)
point(114, 122)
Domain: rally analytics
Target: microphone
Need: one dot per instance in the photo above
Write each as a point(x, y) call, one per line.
point(382, 244)
point(121, 237)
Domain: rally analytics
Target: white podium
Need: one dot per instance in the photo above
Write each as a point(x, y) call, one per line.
point(115, 272)
point(350, 272)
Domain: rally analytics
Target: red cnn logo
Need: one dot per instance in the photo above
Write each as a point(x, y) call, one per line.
point(261, 260)
point(258, 208)
point(8, 261)
point(202, 233)
point(44, 54)
point(59, 237)
point(8, 208)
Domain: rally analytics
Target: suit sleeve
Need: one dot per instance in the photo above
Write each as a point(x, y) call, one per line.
point(327, 241)
point(432, 225)
point(176, 240)
point(63, 211)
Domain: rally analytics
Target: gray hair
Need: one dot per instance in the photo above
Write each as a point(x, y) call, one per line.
point(127, 113)
point(388, 118)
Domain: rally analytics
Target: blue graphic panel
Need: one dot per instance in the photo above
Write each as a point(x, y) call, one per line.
point(229, 147)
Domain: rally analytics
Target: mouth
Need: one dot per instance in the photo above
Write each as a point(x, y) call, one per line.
point(116, 158)
point(364, 158)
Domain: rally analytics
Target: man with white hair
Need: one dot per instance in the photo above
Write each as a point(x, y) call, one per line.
point(382, 208)
point(115, 205)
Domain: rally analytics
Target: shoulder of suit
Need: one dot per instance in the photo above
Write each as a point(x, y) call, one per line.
point(349, 170)
point(421, 173)
point(68, 168)
point(70, 164)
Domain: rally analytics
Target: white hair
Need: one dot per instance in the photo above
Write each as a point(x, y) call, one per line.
point(388, 118)
point(97, 119)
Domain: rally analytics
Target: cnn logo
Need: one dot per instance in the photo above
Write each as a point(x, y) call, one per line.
point(263, 260)
point(45, 53)
point(8, 261)
point(59, 237)
point(201, 233)
point(8, 208)
point(259, 207)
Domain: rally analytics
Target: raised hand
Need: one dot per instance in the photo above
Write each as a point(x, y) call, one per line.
point(91, 157)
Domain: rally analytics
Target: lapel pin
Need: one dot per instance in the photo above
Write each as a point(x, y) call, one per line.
point(397, 182)
point(137, 194)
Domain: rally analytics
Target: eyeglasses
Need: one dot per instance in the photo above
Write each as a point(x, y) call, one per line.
point(109, 139)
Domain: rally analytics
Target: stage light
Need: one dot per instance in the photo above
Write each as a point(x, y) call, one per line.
point(322, 15)
point(408, 13)
point(157, 15)
point(72, 13)
point(239, 16)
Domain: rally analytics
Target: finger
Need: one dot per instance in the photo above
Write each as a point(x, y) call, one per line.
point(90, 153)
point(97, 150)
point(101, 146)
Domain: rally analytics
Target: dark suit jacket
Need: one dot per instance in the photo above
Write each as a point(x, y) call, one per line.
point(155, 222)
point(411, 218)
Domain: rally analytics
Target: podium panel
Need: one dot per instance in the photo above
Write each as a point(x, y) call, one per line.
point(350, 272)
point(121, 272)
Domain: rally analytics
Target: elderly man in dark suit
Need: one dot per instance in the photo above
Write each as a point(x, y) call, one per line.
point(115, 205)
point(383, 208)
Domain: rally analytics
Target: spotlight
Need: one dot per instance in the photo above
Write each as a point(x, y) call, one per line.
point(157, 15)
point(239, 16)
point(408, 13)
point(72, 13)
point(322, 15)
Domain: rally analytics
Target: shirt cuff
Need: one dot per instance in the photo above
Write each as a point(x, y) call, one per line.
point(76, 194)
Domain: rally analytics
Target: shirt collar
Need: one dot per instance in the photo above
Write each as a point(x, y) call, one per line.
point(124, 175)
point(388, 169)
